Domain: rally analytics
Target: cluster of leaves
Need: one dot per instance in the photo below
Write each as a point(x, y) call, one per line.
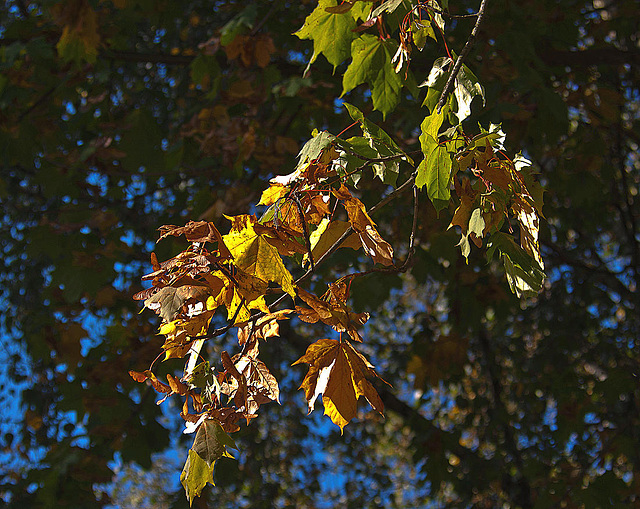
point(314, 211)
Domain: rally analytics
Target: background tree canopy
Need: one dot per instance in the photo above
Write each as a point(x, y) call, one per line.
point(117, 117)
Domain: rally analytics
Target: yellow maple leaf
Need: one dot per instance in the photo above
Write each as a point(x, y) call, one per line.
point(272, 194)
point(338, 372)
point(255, 255)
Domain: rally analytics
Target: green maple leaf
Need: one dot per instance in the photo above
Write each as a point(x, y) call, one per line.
point(524, 274)
point(372, 64)
point(314, 147)
point(435, 82)
point(331, 33)
point(209, 445)
point(195, 475)
point(211, 442)
point(421, 30)
point(435, 172)
point(466, 88)
point(382, 145)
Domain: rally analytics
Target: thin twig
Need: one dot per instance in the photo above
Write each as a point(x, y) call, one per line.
point(222, 330)
point(304, 229)
point(465, 51)
point(350, 230)
point(410, 253)
point(414, 226)
point(395, 193)
point(452, 16)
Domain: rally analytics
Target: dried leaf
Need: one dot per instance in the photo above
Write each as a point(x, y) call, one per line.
point(263, 328)
point(334, 313)
point(197, 231)
point(338, 372)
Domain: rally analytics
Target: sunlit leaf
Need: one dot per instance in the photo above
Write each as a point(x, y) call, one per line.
point(338, 372)
point(255, 255)
point(331, 32)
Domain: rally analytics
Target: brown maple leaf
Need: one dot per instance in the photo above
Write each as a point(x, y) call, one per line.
point(374, 245)
point(338, 372)
point(333, 311)
point(197, 231)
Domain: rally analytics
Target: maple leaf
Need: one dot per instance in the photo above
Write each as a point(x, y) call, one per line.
point(498, 174)
point(211, 442)
point(325, 236)
point(153, 380)
point(273, 193)
point(203, 377)
point(420, 31)
point(467, 197)
point(240, 292)
point(282, 238)
point(338, 372)
point(263, 328)
point(197, 231)
point(258, 386)
point(331, 33)
point(333, 312)
point(435, 171)
point(524, 274)
point(179, 333)
point(466, 88)
point(196, 474)
point(372, 64)
point(373, 244)
point(382, 145)
point(435, 83)
point(311, 151)
point(529, 229)
point(209, 445)
point(255, 255)
point(168, 301)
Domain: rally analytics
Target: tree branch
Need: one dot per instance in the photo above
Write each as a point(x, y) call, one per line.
point(350, 230)
point(465, 51)
point(521, 497)
point(143, 58)
point(410, 252)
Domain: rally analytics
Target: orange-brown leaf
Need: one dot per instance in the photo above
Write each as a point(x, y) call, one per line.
point(263, 328)
point(467, 197)
point(375, 246)
point(153, 380)
point(338, 372)
point(197, 231)
point(334, 313)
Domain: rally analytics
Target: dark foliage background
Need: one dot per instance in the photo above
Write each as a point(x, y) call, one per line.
point(155, 113)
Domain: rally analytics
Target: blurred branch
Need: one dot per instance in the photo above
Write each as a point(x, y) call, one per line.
point(518, 486)
point(153, 58)
point(591, 56)
point(423, 427)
